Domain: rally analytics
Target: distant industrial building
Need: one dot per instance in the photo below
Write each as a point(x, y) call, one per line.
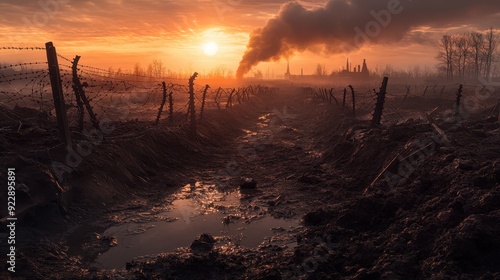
point(356, 72)
point(349, 72)
point(288, 75)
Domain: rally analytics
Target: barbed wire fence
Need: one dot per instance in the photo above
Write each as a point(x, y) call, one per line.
point(362, 102)
point(92, 95)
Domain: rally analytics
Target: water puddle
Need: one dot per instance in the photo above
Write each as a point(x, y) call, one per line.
point(228, 216)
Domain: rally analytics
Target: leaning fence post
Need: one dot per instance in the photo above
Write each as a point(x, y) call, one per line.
point(425, 90)
point(79, 102)
point(85, 100)
point(379, 108)
point(57, 93)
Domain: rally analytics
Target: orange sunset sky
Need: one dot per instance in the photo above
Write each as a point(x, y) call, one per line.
point(120, 33)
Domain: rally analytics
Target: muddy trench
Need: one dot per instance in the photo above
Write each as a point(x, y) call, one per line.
point(214, 201)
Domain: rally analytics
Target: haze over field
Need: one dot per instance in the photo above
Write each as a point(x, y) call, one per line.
point(199, 35)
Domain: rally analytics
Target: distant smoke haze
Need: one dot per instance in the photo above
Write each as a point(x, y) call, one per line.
point(344, 25)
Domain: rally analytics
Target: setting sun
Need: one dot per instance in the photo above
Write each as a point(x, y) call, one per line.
point(210, 48)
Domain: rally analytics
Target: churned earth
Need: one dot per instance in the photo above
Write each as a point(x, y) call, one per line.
point(286, 186)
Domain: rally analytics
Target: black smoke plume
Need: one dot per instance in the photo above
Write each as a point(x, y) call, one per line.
point(345, 25)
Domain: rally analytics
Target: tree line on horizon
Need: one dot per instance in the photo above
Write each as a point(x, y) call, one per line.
point(469, 55)
point(157, 69)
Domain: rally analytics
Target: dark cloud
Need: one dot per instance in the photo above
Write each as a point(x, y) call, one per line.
point(343, 25)
point(141, 16)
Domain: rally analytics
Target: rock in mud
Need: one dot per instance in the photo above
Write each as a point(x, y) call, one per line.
point(203, 244)
point(248, 183)
point(110, 241)
point(316, 217)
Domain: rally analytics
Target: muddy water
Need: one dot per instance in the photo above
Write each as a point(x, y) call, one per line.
point(232, 217)
point(197, 209)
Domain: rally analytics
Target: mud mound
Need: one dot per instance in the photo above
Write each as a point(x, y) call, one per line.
point(426, 217)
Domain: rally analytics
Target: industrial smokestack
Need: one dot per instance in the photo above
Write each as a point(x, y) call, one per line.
point(345, 25)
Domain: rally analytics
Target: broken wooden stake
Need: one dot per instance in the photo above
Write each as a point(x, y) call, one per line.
point(443, 138)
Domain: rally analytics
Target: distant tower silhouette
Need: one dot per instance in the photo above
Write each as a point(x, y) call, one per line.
point(288, 75)
point(365, 71)
point(354, 71)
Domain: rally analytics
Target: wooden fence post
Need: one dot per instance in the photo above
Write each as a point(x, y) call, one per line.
point(458, 100)
point(442, 90)
point(379, 108)
point(434, 88)
point(203, 101)
point(251, 91)
point(171, 106)
point(407, 92)
point(343, 100)
point(229, 103)
point(163, 101)
point(191, 101)
point(353, 101)
point(217, 94)
point(425, 90)
point(238, 97)
point(57, 93)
